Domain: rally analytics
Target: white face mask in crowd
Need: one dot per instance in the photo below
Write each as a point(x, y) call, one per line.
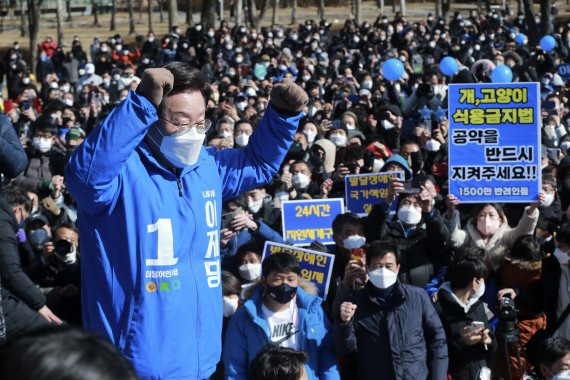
point(250, 271)
point(338, 140)
point(230, 306)
point(242, 140)
point(409, 215)
point(548, 199)
point(387, 125)
point(561, 256)
point(479, 292)
point(432, 145)
point(310, 136)
point(564, 375)
point(300, 181)
point(182, 148)
point(225, 134)
point(354, 241)
point(382, 278)
point(42, 144)
point(255, 206)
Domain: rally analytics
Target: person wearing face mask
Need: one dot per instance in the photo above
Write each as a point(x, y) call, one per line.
point(23, 303)
point(283, 311)
point(248, 260)
point(388, 319)
point(459, 304)
point(57, 271)
point(552, 360)
point(489, 229)
point(551, 209)
point(299, 181)
point(45, 160)
point(418, 230)
point(149, 199)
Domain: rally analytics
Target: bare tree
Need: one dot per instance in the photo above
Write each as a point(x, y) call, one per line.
point(274, 16)
point(189, 18)
point(403, 7)
point(172, 14)
point(321, 10)
point(209, 13)
point(58, 20)
point(68, 9)
point(239, 7)
point(532, 28)
point(161, 10)
point(95, 11)
point(252, 14)
point(293, 12)
point(34, 29)
point(545, 17)
point(140, 9)
point(22, 20)
point(149, 10)
point(263, 9)
point(131, 16)
point(358, 11)
point(113, 26)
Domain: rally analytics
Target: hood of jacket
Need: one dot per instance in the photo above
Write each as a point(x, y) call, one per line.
point(330, 153)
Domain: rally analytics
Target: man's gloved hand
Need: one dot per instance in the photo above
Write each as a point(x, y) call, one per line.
point(155, 85)
point(288, 97)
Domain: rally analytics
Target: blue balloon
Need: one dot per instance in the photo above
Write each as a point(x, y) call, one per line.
point(547, 43)
point(519, 38)
point(448, 66)
point(393, 69)
point(502, 74)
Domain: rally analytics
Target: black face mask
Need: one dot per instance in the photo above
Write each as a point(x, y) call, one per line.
point(281, 293)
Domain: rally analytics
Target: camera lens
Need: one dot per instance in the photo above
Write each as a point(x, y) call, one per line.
point(62, 247)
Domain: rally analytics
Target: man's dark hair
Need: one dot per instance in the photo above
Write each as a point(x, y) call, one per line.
point(277, 363)
point(463, 270)
point(230, 284)
point(57, 352)
point(254, 247)
point(187, 77)
point(280, 263)
point(563, 235)
point(346, 218)
point(381, 249)
point(17, 196)
point(552, 350)
point(526, 247)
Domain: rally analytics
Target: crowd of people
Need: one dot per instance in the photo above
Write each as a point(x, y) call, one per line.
point(426, 299)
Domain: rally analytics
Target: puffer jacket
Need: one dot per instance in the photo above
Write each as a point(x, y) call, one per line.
point(409, 329)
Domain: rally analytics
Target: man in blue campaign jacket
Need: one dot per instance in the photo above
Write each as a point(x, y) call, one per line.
point(150, 201)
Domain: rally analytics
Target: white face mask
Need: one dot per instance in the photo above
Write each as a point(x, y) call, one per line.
point(367, 84)
point(338, 140)
point(230, 306)
point(409, 215)
point(561, 256)
point(433, 145)
point(241, 106)
point(310, 136)
point(300, 181)
point(225, 134)
point(386, 124)
point(255, 206)
point(548, 199)
point(41, 144)
point(242, 140)
point(382, 278)
point(250, 272)
point(354, 241)
point(68, 102)
point(565, 375)
point(377, 165)
point(479, 292)
point(182, 149)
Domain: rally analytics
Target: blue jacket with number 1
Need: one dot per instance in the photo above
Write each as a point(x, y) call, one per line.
point(150, 260)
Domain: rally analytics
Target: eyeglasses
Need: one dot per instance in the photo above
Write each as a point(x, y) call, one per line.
point(201, 127)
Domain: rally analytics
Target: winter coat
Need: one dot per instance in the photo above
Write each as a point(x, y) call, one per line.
point(423, 250)
point(502, 240)
point(151, 278)
point(248, 332)
point(13, 159)
point(409, 329)
point(465, 361)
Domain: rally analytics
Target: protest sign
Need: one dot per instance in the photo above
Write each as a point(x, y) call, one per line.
point(494, 142)
point(315, 266)
point(308, 220)
point(564, 70)
point(363, 191)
